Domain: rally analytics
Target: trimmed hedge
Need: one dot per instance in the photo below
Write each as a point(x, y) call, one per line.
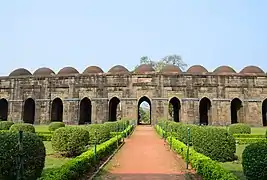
point(55, 125)
point(213, 142)
point(102, 130)
point(249, 135)
point(25, 127)
point(239, 128)
point(45, 136)
point(204, 166)
point(126, 132)
point(70, 141)
point(117, 125)
point(5, 125)
point(250, 140)
point(33, 155)
point(254, 161)
point(80, 165)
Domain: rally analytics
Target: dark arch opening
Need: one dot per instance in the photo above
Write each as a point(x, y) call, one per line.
point(3, 109)
point(144, 111)
point(264, 112)
point(236, 105)
point(57, 110)
point(85, 111)
point(204, 108)
point(174, 109)
point(29, 111)
point(113, 105)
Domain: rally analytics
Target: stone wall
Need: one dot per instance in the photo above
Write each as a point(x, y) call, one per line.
point(129, 88)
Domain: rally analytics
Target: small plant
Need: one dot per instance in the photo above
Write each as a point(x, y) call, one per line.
point(25, 127)
point(239, 128)
point(55, 125)
point(5, 125)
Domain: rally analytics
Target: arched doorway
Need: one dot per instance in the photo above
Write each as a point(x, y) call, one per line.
point(57, 110)
point(236, 105)
point(144, 111)
point(113, 106)
point(174, 109)
point(204, 111)
point(3, 109)
point(264, 112)
point(85, 111)
point(29, 111)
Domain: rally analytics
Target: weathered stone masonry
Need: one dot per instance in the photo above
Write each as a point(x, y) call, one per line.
point(198, 96)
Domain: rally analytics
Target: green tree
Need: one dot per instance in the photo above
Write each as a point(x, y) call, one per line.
point(144, 115)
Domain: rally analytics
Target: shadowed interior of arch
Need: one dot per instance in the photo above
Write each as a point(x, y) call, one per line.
point(236, 105)
point(204, 108)
point(57, 110)
point(113, 108)
point(144, 111)
point(174, 109)
point(264, 112)
point(29, 111)
point(3, 109)
point(85, 111)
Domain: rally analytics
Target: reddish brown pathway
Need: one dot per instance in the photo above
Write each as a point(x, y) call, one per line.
point(145, 156)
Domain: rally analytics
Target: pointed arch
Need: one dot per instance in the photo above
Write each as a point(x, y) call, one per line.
point(3, 109)
point(29, 111)
point(113, 105)
point(236, 106)
point(204, 111)
point(85, 111)
point(174, 109)
point(57, 110)
point(139, 111)
point(264, 112)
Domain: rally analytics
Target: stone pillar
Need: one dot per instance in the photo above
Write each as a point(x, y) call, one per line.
point(129, 108)
point(253, 114)
point(100, 110)
point(16, 110)
point(190, 110)
point(221, 112)
point(73, 111)
point(159, 109)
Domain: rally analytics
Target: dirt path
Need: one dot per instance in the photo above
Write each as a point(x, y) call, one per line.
point(145, 156)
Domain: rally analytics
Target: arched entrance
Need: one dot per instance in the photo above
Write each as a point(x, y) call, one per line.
point(174, 109)
point(144, 111)
point(236, 105)
point(85, 111)
point(204, 111)
point(29, 111)
point(264, 112)
point(57, 110)
point(3, 109)
point(113, 106)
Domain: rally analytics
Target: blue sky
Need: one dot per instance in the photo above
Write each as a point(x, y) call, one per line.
point(37, 33)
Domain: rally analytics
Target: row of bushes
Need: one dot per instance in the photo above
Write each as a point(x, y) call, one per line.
point(250, 140)
point(239, 128)
point(213, 142)
point(204, 166)
point(79, 165)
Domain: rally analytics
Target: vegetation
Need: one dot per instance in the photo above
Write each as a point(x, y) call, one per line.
point(98, 133)
point(144, 115)
point(239, 128)
point(33, 154)
point(25, 127)
point(255, 161)
point(55, 125)
point(70, 141)
point(5, 125)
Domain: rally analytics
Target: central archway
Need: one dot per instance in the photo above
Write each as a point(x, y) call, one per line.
point(29, 111)
point(3, 109)
point(57, 110)
point(204, 111)
point(85, 111)
point(113, 106)
point(144, 111)
point(174, 109)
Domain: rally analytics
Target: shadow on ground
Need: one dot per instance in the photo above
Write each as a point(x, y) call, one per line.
point(105, 175)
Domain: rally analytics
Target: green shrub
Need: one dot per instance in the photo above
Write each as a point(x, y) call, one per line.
point(112, 126)
point(266, 134)
point(55, 125)
point(70, 141)
point(239, 128)
point(33, 155)
point(5, 125)
point(249, 135)
point(205, 166)
point(254, 161)
point(25, 127)
point(102, 133)
point(77, 167)
point(45, 136)
point(250, 140)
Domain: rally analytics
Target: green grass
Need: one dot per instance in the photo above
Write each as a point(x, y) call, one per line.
point(236, 166)
point(258, 130)
point(41, 128)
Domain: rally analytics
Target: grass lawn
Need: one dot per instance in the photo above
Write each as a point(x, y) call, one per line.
point(258, 130)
